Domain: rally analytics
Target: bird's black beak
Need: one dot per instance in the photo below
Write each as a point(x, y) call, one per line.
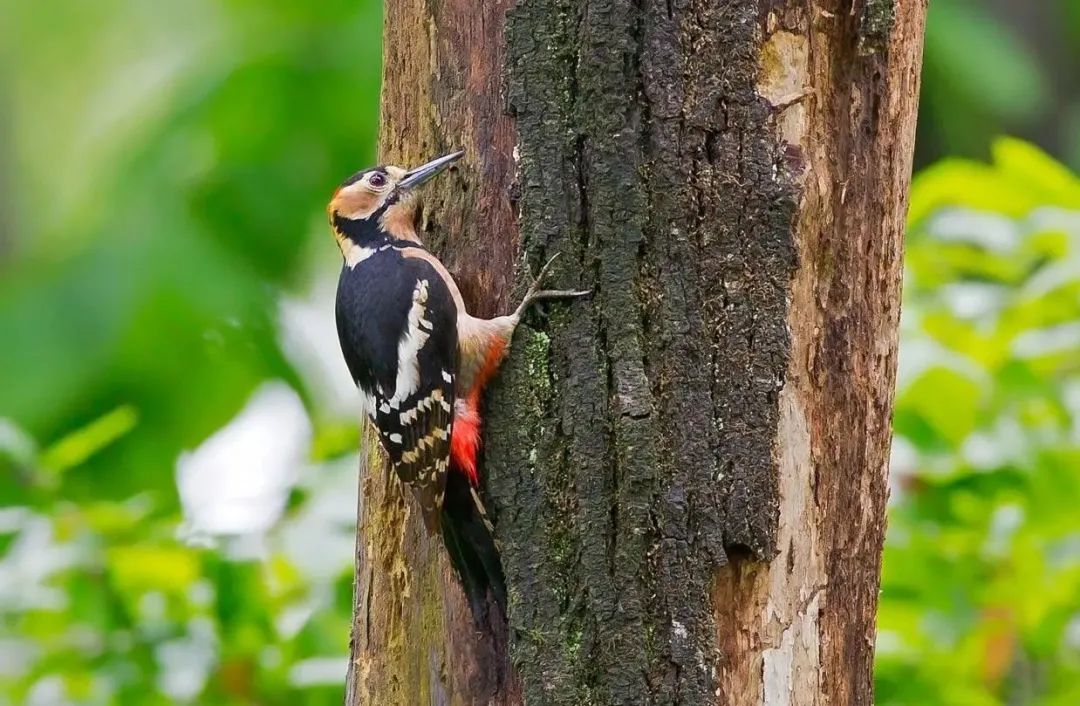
point(415, 177)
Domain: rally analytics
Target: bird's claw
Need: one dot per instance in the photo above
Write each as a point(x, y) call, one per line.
point(536, 294)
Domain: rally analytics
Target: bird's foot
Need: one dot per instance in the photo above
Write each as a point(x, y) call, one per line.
point(536, 294)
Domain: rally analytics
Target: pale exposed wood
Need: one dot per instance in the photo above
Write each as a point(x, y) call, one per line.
point(806, 621)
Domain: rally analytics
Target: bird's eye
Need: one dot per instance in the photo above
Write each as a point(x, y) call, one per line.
point(377, 180)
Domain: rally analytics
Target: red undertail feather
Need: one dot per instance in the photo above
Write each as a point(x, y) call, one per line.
point(465, 441)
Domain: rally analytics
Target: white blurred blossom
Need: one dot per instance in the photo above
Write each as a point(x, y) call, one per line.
point(236, 484)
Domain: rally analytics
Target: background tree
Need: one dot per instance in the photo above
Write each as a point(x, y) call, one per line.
point(690, 470)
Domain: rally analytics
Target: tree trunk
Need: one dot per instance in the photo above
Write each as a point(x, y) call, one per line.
point(688, 470)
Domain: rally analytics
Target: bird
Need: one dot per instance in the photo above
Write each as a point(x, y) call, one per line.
point(421, 362)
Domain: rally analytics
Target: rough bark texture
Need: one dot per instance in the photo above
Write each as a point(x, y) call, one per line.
point(688, 470)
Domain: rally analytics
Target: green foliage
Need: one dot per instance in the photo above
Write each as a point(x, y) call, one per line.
point(1000, 67)
point(154, 211)
point(165, 166)
point(981, 591)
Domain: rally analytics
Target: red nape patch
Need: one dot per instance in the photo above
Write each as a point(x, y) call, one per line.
point(465, 440)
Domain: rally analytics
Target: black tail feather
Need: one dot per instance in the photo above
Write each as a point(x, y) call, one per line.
point(471, 546)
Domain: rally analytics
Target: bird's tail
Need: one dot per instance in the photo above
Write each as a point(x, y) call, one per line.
point(470, 543)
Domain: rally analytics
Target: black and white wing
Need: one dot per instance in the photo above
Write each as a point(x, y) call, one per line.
point(399, 335)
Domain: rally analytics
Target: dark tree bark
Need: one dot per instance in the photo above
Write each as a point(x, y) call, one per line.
point(689, 469)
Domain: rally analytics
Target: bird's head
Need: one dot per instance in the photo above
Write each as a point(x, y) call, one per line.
point(379, 203)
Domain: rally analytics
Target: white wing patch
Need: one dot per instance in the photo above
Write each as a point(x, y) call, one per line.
point(412, 340)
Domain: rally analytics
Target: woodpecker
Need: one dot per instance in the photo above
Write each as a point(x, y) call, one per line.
point(421, 361)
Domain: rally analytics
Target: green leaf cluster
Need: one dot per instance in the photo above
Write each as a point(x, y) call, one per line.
point(980, 600)
point(164, 168)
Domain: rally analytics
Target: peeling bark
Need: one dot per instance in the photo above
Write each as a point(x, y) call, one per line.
point(688, 470)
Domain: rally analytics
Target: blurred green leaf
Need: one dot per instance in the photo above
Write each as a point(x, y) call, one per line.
point(1022, 179)
point(946, 400)
point(1045, 179)
point(137, 568)
point(77, 447)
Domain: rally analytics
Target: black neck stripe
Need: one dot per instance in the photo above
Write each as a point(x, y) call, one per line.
point(363, 231)
point(367, 232)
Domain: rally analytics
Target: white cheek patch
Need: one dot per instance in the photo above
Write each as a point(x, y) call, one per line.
point(412, 340)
